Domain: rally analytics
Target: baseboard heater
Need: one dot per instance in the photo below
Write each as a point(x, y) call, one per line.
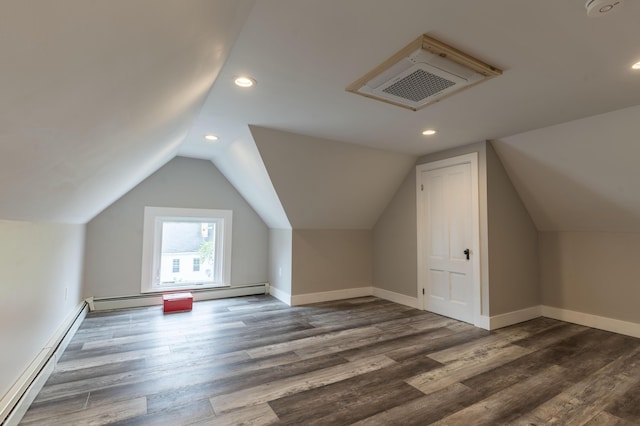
point(18, 399)
point(155, 299)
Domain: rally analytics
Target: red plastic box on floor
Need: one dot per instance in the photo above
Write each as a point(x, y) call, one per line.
point(177, 302)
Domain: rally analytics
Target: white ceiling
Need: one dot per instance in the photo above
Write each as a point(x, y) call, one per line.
point(98, 95)
point(559, 65)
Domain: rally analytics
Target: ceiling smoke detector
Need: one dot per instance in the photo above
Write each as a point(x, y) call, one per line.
point(423, 72)
point(596, 8)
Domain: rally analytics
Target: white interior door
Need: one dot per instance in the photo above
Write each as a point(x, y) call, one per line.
point(447, 211)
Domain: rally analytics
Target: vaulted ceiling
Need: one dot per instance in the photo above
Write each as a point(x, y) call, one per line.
point(98, 95)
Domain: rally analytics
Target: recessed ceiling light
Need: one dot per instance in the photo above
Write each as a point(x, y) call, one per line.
point(211, 138)
point(244, 81)
point(636, 66)
point(429, 132)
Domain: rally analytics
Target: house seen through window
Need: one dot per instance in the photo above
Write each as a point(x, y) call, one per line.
point(187, 243)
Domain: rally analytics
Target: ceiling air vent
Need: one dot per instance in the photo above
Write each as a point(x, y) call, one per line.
point(422, 73)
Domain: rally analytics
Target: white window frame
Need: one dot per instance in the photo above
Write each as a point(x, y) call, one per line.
point(152, 241)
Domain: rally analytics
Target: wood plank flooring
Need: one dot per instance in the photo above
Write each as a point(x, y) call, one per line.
point(365, 361)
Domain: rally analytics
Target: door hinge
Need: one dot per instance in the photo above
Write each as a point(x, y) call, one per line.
point(423, 291)
point(421, 187)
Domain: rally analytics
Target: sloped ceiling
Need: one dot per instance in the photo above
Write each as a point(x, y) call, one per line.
point(579, 176)
point(243, 166)
point(559, 66)
point(324, 184)
point(96, 95)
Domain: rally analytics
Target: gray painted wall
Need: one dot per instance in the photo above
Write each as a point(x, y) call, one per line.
point(514, 282)
point(280, 255)
point(591, 272)
point(41, 266)
point(324, 184)
point(114, 237)
point(508, 238)
point(328, 260)
point(332, 193)
point(395, 265)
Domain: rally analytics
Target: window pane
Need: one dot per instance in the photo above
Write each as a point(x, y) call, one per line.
point(187, 243)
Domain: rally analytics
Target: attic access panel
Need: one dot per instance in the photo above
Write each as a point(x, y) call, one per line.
point(423, 72)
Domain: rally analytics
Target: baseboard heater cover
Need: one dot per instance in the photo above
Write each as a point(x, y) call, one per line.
point(20, 396)
point(155, 299)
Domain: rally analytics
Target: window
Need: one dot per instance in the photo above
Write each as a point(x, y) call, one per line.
point(175, 236)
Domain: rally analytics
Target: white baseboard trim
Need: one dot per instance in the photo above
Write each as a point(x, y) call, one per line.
point(515, 317)
point(392, 296)
point(603, 323)
point(326, 296)
point(588, 320)
point(155, 299)
point(15, 403)
point(283, 296)
point(482, 321)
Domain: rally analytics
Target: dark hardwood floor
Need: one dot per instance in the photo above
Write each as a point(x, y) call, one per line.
point(366, 361)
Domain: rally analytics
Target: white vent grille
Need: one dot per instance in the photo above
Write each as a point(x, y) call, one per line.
point(424, 72)
point(418, 86)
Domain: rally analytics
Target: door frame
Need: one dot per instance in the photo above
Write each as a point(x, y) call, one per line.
point(472, 159)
